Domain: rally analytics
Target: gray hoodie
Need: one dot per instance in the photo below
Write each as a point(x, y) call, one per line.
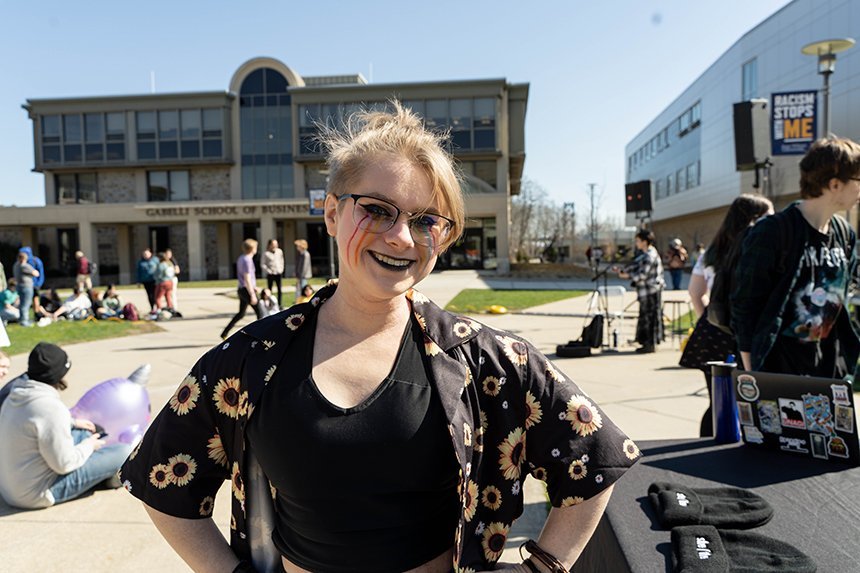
point(37, 444)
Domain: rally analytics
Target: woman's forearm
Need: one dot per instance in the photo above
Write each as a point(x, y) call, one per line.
point(568, 529)
point(197, 541)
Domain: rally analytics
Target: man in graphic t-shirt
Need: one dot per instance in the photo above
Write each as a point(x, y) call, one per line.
point(246, 274)
point(791, 281)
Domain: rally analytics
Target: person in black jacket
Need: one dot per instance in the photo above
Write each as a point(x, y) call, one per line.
point(792, 277)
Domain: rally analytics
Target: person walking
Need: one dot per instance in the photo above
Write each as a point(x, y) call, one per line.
point(273, 267)
point(790, 290)
point(48, 457)
point(646, 276)
point(83, 270)
point(24, 277)
point(676, 260)
point(303, 270)
point(369, 429)
point(147, 266)
point(247, 285)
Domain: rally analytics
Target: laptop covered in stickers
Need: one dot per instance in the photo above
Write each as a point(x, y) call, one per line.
point(800, 415)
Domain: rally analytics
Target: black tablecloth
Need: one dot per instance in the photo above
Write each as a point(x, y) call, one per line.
point(816, 504)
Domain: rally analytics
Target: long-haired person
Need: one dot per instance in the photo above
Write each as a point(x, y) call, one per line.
point(709, 343)
point(368, 429)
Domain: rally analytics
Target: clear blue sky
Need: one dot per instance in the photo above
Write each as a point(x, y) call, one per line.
point(599, 71)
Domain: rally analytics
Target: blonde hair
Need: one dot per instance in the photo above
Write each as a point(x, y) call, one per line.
point(301, 243)
point(399, 131)
point(249, 245)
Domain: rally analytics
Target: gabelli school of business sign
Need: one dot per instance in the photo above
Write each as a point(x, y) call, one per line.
point(228, 210)
point(794, 117)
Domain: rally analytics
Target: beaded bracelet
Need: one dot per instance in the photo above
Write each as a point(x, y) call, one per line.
point(547, 559)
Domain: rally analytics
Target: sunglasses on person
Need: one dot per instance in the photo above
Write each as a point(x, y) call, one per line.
point(376, 215)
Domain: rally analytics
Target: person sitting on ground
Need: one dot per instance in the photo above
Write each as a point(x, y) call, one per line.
point(77, 307)
point(268, 303)
point(9, 302)
point(46, 304)
point(48, 457)
point(307, 293)
point(107, 303)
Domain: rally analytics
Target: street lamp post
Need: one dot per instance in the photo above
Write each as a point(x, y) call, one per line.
point(826, 51)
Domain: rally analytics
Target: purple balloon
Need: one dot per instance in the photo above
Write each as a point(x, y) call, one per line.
point(118, 405)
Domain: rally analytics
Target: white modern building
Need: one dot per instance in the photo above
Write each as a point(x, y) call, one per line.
point(688, 150)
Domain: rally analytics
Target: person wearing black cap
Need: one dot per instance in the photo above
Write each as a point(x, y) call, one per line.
point(48, 457)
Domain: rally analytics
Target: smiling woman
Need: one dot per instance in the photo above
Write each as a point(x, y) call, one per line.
point(406, 426)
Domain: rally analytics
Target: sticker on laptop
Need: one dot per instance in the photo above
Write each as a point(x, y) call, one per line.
point(791, 413)
point(745, 414)
point(837, 447)
point(844, 418)
point(840, 394)
point(796, 445)
point(768, 417)
point(819, 417)
point(747, 388)
point(753, 435)
point(819, 445)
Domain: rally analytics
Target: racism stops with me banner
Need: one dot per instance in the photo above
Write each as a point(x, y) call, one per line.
point(794, 118)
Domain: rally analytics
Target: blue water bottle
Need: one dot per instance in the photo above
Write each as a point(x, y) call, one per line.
point(724, 406)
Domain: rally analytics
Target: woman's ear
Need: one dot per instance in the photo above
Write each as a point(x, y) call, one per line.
point(330, 214)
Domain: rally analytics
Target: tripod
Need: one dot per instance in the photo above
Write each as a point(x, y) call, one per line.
point(599, 300)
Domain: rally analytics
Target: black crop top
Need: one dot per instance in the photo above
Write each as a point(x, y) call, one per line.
point(367, 488)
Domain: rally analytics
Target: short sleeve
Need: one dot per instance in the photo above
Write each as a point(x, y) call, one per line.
point(182, 461)
point(570, 441)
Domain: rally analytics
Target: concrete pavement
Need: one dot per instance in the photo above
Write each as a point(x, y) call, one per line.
point(648, 396)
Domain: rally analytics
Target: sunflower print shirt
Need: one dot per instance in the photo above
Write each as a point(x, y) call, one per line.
point(510, 412)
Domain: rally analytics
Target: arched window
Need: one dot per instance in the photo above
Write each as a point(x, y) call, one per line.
point(266, 128)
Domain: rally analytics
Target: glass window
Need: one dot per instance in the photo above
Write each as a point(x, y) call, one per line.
point(145, 125)
point(696, 113)
point(485, 112)
point(93, 123)
point(212, 148)
point(180, 190)
point(50, 129)
point(66, 193)
point(76, 188)
point(680, 179)
point(416, 105)
point(72, 128)
point(253, 83)
point(275, 82)
point(486, 171)
point(190, 123)
point(437, 113)
point(749, 80)
point(212, 122)
point(116, 127)
point(86, 188)
point(168, 124)
point(659, 188)
point(50, 153)
point(158, 186)
point(670, 184)
point(686, 120)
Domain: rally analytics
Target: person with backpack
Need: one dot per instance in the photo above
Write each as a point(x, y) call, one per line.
point(83, 271)
point(709, 342)
point(676, 260)
point(791, 282)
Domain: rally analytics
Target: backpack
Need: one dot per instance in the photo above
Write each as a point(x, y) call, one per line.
point(719, 306)
point(129, 312)
point(592, 335)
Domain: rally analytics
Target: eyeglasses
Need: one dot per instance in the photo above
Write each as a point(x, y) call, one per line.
point(377, 216)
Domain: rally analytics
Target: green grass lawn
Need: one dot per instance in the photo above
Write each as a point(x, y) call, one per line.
point(67, 332)
point(479, 300)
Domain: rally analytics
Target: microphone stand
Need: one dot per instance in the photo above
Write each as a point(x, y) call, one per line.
point(604, 302)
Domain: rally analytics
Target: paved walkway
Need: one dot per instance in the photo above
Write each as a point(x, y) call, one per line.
point(649, 396)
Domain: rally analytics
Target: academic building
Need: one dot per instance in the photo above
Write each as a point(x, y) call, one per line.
point(688, 151)
point(199, 172)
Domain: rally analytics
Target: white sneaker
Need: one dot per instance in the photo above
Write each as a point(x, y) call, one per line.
point(44, 321)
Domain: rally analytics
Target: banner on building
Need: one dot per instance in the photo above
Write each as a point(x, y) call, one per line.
point(316, 199)
point(794, 118)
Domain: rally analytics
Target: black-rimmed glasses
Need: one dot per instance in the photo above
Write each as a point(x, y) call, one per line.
point(376, 215)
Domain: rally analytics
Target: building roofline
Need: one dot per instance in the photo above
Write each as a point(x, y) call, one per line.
point(391, 85)
point(126, 97)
